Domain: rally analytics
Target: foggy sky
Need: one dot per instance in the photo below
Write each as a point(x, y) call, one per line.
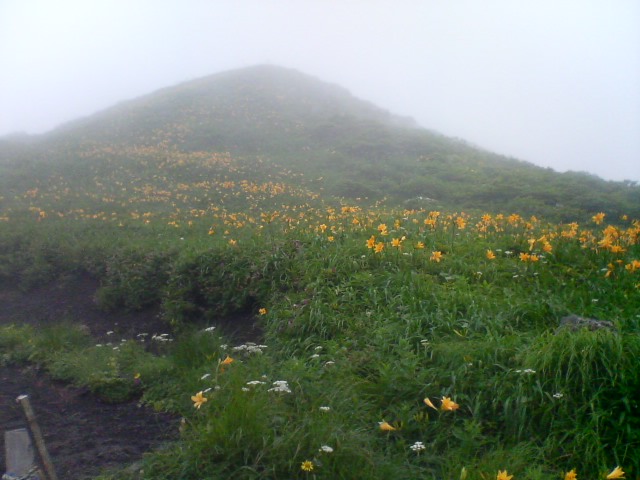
point(553, 82)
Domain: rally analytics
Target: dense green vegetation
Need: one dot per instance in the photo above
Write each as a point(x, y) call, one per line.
point(403, 338)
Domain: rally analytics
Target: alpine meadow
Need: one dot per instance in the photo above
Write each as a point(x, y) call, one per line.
point(425, 309)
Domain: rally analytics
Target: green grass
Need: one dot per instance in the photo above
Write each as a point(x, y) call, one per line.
point(369, 335)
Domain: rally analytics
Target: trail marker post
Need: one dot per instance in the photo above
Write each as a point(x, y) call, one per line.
point(36, 434)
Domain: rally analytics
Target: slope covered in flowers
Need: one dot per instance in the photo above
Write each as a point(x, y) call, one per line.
point(321, 130)
point(399, 342)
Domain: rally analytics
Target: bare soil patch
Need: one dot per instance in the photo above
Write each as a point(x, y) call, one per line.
point(84, 435)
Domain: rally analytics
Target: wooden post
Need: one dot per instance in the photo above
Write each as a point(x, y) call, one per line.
point(37, 437)
point(20, 457)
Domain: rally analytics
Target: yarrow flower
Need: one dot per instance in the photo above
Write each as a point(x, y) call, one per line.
point(249, 348)
point(417, 447)
point(326, 449)
point(280, 386)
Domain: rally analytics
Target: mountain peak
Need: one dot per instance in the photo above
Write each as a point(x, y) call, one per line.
point(260, 101)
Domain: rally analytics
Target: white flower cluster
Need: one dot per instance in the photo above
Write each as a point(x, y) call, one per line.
point(417, 447)
point(163, 337)
point(324, 408)
point(209, 329)
point(280, 386)
point(326, 449)
point(255, 382)
point(249, 348)
point(526, 370)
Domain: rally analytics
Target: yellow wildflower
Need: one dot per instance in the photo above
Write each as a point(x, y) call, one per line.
point(633, 266)
point(420, 245)
point(371, 243)
point(396, 242)
point(606, 242)
point(571, 475)
point(386, 426)
point(610, 268)
point(503, 475)
point(379, 247)
point(430, 222)
point(490, 255)
point(463, 473)
point(429, 403)
point(514, 218)
point(525, 257)
point(616, 473)
point(307, 466)
point(227, 361)
point(598, 218)
point(198, 400)
point(436, 256)
point(461, 223)
point(448, 405)
point(262, 311)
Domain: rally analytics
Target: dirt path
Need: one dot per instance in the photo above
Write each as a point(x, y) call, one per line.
point(84, 435)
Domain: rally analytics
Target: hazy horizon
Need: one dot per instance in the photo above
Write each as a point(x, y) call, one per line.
point(552, 84)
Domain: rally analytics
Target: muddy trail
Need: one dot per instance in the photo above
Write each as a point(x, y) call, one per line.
point(85, 436)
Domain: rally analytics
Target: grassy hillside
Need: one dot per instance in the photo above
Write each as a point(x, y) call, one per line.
point(320, 130)
point(406, 338)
